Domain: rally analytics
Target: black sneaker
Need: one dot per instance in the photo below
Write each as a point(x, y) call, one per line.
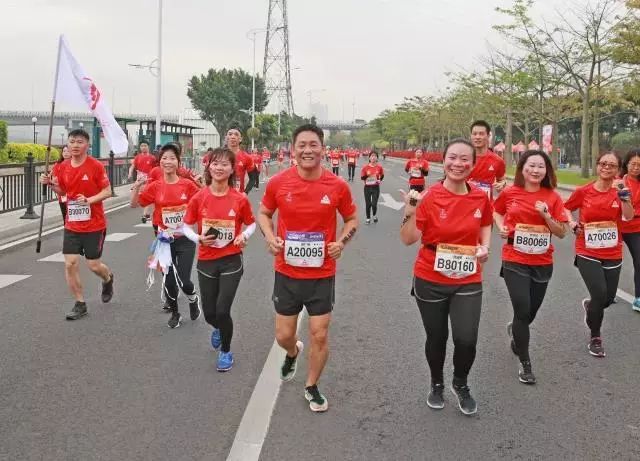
point(174, 321)
point(466, 403)
point(144, 218)
point(525, 374)
point(288, 370)
point(435, 399)
point(596, 348)
point(375, 219)
point(194, 308)
point(79, 310)
point(107, 290)
point(317, 401)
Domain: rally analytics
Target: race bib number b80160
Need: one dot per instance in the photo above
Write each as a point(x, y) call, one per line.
point(304, 249)
point(532, 240)
point(455, 261)
point(602, 234)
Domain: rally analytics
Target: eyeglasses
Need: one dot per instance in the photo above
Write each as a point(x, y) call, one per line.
point(607, 165)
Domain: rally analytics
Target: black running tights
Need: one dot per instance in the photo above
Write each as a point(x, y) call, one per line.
point(183, 251)
point(601, 278)
point(371, 196)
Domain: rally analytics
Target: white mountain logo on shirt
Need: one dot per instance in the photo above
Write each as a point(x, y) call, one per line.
point(477, 214)
point(491, 168)
point(85, 178)
point(232, 213)
point(183, 196)
point(325, 200)
point(615, 205)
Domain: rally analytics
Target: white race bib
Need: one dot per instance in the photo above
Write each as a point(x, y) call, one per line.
point(140, 176)
point(484, 187)
point(415, 173)
point(172, 216)
point(455, 261)
point(371, 181)
point(352, 161)
point(224, 228)
point(304, 249)
point(78, 212)
point(335, 162)
point(602, 234)
point(532, 240)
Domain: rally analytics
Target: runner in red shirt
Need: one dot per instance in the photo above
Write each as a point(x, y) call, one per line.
point(452, 221)
point(372, 174)
point(142, 164)
point(527, 214)
point(631, 229)
point(335, 158)
point(266, 160)
point(489, 171)
point(84, 181)
point(55, 171)
point(352, 160)
point(218, 212)
point(307, 199)
point(602, 205)
point(280, 159)
point(170, 195)
point(243, 162)
point(257, 161)
point(418, 169)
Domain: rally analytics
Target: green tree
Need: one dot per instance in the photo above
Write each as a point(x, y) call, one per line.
point(224, 97)
point(3, 134)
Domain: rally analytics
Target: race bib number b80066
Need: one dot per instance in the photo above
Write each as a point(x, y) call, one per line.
point(602, 234)
point(304, 249)
point(455, 261)
point(530, 239)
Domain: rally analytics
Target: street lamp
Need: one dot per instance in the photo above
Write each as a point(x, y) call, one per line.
point(156, 65)
point(34, 120)
point(253, 33)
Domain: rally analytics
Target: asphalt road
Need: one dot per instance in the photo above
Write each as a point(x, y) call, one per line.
point(118, 384)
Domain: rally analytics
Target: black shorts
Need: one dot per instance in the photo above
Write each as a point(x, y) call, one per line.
point(290, 295)
point(87, 244)
point(416, 187)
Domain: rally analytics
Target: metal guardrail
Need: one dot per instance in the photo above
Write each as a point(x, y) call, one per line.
point(21, 188)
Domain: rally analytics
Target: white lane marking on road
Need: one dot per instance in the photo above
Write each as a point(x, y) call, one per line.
point(54, 258)
point(626, 296)
point(254, 425)
point(147, 224)
point(51, 231)
point(389, 201)
point(10, 279)
point(119, 236)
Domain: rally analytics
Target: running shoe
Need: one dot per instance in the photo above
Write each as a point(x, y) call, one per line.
point(288, 370)
point(435, 399)
point(595, 347)
point(525, 373)
point(174, 320)
point(79, 310)
point(466, 403)
point(317, 401)
point(585, 306)
point(216, 339)
point(144, 218)
point(368, 221)
point(225, 361)
point(375, 219)
point(194, 308)
point(107, 290)
point(636, 305)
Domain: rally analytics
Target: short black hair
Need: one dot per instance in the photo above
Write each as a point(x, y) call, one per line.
point(309, 127)
point(79, 133)
point(481, 123)
point(174, 147)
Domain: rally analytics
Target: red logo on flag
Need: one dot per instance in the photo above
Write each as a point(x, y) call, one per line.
point(91, 92)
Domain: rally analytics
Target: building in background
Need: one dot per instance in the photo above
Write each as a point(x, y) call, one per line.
point(207, 136)
point(320, 111)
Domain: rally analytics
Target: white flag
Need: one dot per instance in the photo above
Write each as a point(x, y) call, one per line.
point(75, 87)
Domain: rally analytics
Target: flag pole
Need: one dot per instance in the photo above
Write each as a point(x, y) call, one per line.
point(48, 154)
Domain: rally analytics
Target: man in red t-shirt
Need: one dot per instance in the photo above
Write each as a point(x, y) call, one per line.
point(244, 163)
point(489, 171)
point(142, 164)
point(418, 169)
point(335, 158)
point(266, 159)
point(352, 160)
point(307, 198)
point(84, 181)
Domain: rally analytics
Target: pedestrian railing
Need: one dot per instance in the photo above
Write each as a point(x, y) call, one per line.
point(20, 182)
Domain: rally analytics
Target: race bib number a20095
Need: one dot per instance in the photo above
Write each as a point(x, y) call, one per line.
point(304, 249)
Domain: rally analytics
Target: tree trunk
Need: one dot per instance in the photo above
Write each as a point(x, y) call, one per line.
point(595, 140)
point(554, 147)
point(526, 132)
point(584, 136)
point(508, 139)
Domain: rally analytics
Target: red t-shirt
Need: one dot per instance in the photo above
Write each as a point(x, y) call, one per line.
point(335, 158)
point(307, 214)
point(372, 174)
point(597, 207)
point(244, 164)
point(447, 218)
point(352, 158)
point(627, 227)
point(55, 172)
point(257, 161)
point(518, 208)
point(226, 213)
point(87, 179)
point(266, 156)
point(487, 169)
point(416, 169)
point(144, 163)
point(170, 201)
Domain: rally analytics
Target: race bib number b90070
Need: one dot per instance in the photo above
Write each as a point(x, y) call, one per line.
point(78, 212)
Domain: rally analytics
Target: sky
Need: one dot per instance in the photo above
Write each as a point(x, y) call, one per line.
point(365, 55)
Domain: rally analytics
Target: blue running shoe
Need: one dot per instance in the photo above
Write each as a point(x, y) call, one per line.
point(225, 361)
point(636, 305)
point(216, 339)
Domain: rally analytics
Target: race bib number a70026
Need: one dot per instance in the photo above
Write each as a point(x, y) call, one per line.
point(602, 234)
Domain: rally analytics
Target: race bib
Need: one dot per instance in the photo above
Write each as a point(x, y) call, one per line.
point(532, 240)
point(78, 212)
point(172, 216)
point(304, 249)
point(140, 176)
point(602, 234)
point(484, 187)
point(224, 231)
point(415, 173)
point(455, 261)
point(335, 162)
point(371, 181)
point(352, 161)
